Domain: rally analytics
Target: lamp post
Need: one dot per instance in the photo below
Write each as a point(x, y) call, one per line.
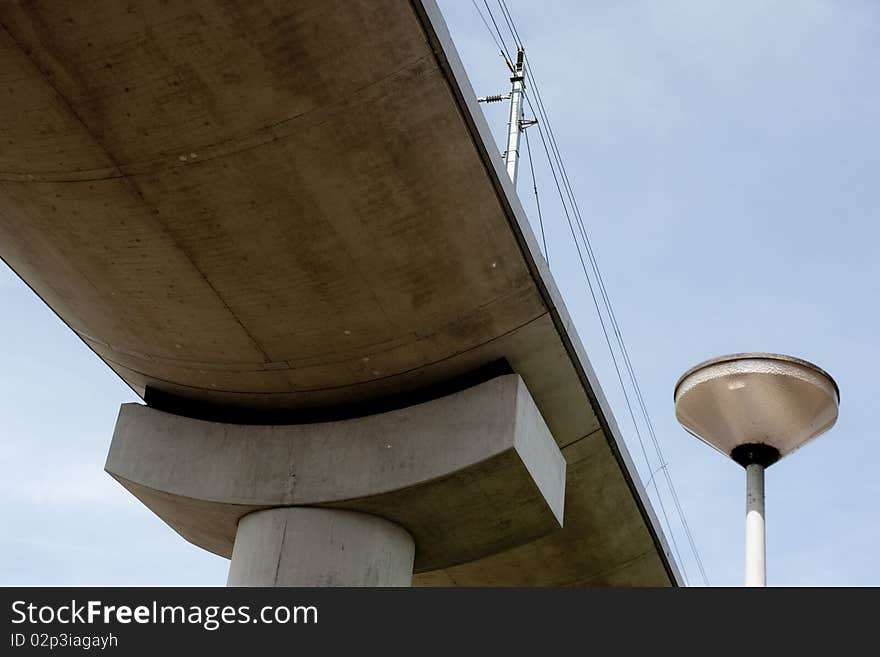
point(756, 408)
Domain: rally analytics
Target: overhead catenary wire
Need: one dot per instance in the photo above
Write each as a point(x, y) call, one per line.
point(608, 342)
point(574, 217)
point(543, 120)
point(537, 201)
point(507, 55)
point(555, 155)
point(607, 301)
point(504, 54)
point(654, 474)
point(616, 327)
point(618, 334)
point(510, 24)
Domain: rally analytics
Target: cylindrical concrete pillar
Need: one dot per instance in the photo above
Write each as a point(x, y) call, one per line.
point(305, 546)
point(756, 574)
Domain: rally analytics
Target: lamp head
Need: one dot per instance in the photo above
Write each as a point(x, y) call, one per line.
point(756, 407)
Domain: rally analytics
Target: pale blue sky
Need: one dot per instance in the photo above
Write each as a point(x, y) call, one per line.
point(725, 157)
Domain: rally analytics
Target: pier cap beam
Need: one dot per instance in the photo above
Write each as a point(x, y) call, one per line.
point(467, 475)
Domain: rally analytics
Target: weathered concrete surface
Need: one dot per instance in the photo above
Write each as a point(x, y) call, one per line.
point(496, 482)
point(320, 547)
point(227, 205)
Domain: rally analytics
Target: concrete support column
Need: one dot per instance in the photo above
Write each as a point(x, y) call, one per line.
point(302, 546)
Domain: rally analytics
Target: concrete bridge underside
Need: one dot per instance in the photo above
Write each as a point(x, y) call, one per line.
point(296, 208)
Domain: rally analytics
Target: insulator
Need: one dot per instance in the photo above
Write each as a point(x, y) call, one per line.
point(492, 99)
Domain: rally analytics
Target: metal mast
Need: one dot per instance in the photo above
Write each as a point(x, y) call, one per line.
point(515, 123)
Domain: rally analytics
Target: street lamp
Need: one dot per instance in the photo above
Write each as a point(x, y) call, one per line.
point(756, 408)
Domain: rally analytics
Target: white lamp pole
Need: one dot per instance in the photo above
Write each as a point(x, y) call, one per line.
point(756, 551)
point(756, 408)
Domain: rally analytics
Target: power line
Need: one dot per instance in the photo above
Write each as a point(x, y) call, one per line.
point(653, 474)
point(497, 31)
point(610, 310)
point(510, 26)
point(537, 202)
point(618, 335)
point(608, 342)
point(539, 109)
point(492, 34)
point(616, 328)
point(569, 193)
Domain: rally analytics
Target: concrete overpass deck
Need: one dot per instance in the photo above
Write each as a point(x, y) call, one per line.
point(296, 210)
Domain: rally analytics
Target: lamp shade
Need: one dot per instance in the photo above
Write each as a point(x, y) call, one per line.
point(768, 402)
